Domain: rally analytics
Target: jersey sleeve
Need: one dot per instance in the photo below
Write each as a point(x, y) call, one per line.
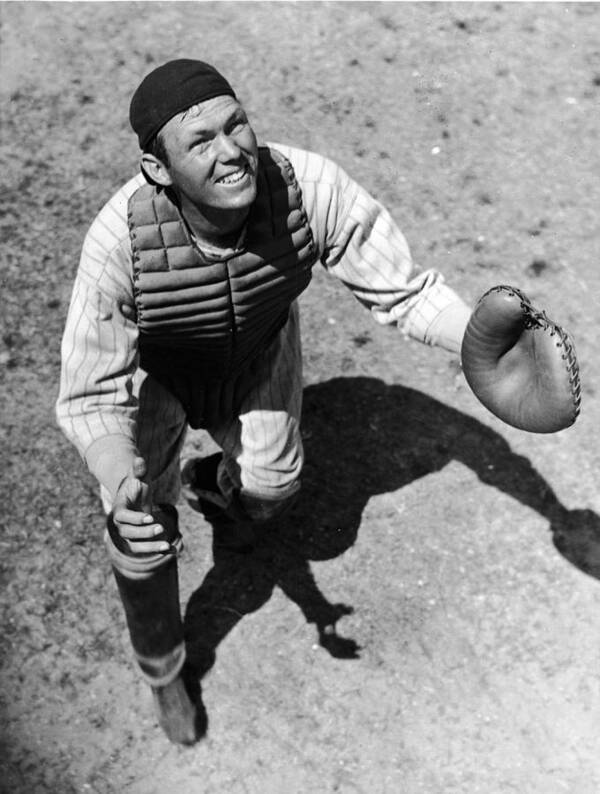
point(360, 244)
point(96, 408)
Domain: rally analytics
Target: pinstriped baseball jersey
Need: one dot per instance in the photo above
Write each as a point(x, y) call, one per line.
point(357, 241)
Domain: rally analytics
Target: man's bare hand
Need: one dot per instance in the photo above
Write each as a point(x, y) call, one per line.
point(132, 513)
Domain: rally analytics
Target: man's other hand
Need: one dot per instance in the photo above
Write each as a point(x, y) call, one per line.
point(132, 513)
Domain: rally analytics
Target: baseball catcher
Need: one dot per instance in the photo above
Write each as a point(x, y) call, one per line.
point(185, 313)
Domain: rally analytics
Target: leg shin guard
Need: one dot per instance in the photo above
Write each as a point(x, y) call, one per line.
point(149, 589)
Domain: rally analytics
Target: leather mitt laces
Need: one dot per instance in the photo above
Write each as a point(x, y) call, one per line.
point(521, 365)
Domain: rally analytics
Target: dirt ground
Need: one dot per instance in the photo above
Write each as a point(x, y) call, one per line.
point(428, 618)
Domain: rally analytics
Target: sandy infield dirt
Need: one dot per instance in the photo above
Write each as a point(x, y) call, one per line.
point(428, 618)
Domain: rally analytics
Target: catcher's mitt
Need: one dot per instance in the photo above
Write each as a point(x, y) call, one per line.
point(519, 364)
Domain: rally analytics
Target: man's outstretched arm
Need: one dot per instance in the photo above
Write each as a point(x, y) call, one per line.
point(360, 243)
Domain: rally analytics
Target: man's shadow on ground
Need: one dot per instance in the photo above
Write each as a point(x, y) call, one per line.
point(363, 437)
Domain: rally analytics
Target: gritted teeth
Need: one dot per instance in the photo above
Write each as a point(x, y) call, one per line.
point(236, 176)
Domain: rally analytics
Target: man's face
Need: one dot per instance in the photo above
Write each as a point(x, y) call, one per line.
point(213, 155)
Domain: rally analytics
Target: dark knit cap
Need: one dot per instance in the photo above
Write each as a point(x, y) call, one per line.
point(170, 89)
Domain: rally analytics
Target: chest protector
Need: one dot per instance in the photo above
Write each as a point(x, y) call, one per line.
point(203, 320)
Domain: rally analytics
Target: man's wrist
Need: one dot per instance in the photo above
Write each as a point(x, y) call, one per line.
point(448, 328)
point(110, 459)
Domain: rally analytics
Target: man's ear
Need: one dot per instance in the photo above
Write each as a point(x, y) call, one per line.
point(156, 170)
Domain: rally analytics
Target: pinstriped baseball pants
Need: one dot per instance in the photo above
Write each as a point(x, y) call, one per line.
point(262, 460)
point(261, 443)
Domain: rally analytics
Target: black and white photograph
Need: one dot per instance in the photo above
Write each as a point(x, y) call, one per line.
point(300, 306)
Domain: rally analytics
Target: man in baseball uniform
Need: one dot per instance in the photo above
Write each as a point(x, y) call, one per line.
point(184, 313)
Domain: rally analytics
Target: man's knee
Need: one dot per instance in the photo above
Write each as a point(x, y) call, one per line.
point(260, 508)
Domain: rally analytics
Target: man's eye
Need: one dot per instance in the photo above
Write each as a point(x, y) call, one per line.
point(237, 125)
